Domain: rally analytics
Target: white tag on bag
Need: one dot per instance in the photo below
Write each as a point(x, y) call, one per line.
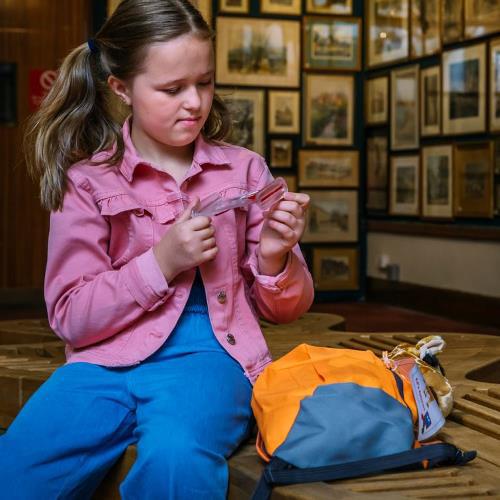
point(430, 417)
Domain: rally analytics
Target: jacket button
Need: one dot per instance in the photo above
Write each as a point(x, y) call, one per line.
point(230, 339)
point(221, 297)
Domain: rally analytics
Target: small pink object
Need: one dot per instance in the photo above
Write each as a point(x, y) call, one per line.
point(265, 198)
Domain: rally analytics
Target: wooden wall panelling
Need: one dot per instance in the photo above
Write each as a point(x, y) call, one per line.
point(34, 34)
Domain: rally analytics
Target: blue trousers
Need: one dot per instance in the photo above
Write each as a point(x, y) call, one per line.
point(187, 408)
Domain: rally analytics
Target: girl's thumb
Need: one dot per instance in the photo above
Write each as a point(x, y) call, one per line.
point(186, 215)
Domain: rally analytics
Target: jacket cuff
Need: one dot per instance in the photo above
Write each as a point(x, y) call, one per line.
point(145, 281)
point(280, 281)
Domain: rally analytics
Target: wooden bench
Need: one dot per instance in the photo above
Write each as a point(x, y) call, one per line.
point(472, 364)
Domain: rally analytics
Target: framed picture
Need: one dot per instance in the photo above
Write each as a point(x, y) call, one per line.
point(464, 90)
point(335, 269)
point(437, 185)
point(254, 51)
point(291, 182)
point(377, 100)
point(481, 17)
point(284, 111)
point(332, 217)
point(328, 110)
point(404, 196)
point(234, 6)
point(405, 108)
point(328, 168)
point(281, 153)
point(247, 114)
point(286, 7)
point(473, 180)
point(329, 7)
point(376, 162)
point(332, 43)
point(425, 27)
point(205, 7)
point(430, 103)
point(452, 21)
point(494, 103)
point(376, 200)
point(387, 35)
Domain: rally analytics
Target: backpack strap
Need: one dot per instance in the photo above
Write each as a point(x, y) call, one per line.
point(279, 472)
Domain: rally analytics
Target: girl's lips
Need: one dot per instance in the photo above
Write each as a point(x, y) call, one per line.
point(190, 120)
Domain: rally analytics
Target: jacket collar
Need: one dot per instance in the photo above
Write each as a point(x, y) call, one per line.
point(205, 153)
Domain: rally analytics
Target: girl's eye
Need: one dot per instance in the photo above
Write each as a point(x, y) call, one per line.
point(172, 90)
point(208, 82)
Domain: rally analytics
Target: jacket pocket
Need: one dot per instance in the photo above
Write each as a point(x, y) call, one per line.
point(131, 228)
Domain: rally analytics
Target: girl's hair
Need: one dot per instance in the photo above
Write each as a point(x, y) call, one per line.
point(80, 116)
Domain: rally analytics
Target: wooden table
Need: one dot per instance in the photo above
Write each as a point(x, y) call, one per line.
point(30, 353)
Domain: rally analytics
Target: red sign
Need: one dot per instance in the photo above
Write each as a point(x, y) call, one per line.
point(40, 81)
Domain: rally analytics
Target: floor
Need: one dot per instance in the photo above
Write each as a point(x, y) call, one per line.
point(359, 316)
point(376, 317)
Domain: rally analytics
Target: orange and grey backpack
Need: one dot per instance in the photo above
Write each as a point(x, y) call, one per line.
point(324, 414)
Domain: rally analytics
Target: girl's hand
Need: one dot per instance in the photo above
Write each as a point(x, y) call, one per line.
point(187, 244)
point(283, 227)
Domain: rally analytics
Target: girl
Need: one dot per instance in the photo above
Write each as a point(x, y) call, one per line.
point(158, 309)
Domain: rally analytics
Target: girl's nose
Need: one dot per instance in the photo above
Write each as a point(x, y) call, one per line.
point(192, 98)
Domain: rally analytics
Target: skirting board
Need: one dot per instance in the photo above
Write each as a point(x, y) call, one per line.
point(459, 306)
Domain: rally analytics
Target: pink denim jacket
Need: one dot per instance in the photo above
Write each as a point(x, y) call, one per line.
point(106, 296)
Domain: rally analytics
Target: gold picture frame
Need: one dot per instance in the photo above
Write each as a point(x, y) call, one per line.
point(452, 21)
point(234, 6)
point(404, 192)
point(405, 109)
point(254, 52)
point(331, 43)
point(328, 168)
point(342, 7)
point(283, 111)
point(328, 110)
point(425, 28)
point(247, 113)
point(335, 268)
point(494, 101)
point(387, 31)
point(430, 101)
point(291, 182)
point(377, 100)
point(290, 8)
point(481, 17)
point(437, 181)
point(377, 160)
point(332, 216)
point(464, 90)
point(281, 151)
point(473, 179)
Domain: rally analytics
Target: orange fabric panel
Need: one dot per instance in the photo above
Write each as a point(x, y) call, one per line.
point(287, 381)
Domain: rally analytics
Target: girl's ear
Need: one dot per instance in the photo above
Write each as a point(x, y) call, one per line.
point(120, 89)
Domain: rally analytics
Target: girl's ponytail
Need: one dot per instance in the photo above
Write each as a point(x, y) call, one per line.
point(74, 121)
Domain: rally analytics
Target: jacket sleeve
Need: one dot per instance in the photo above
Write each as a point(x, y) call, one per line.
point(285, 297)
point(87, 300)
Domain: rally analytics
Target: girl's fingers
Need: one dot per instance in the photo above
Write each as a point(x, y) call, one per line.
point(302, 199)
point(208, 243)
point(285, 231)
point(284, 217)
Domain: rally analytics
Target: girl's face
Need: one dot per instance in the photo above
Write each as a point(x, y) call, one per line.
point(172, 97)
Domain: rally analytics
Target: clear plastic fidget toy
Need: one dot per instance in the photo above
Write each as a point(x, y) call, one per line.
point(265, 198)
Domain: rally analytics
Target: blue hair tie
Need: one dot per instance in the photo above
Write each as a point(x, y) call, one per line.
point(93, 46)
